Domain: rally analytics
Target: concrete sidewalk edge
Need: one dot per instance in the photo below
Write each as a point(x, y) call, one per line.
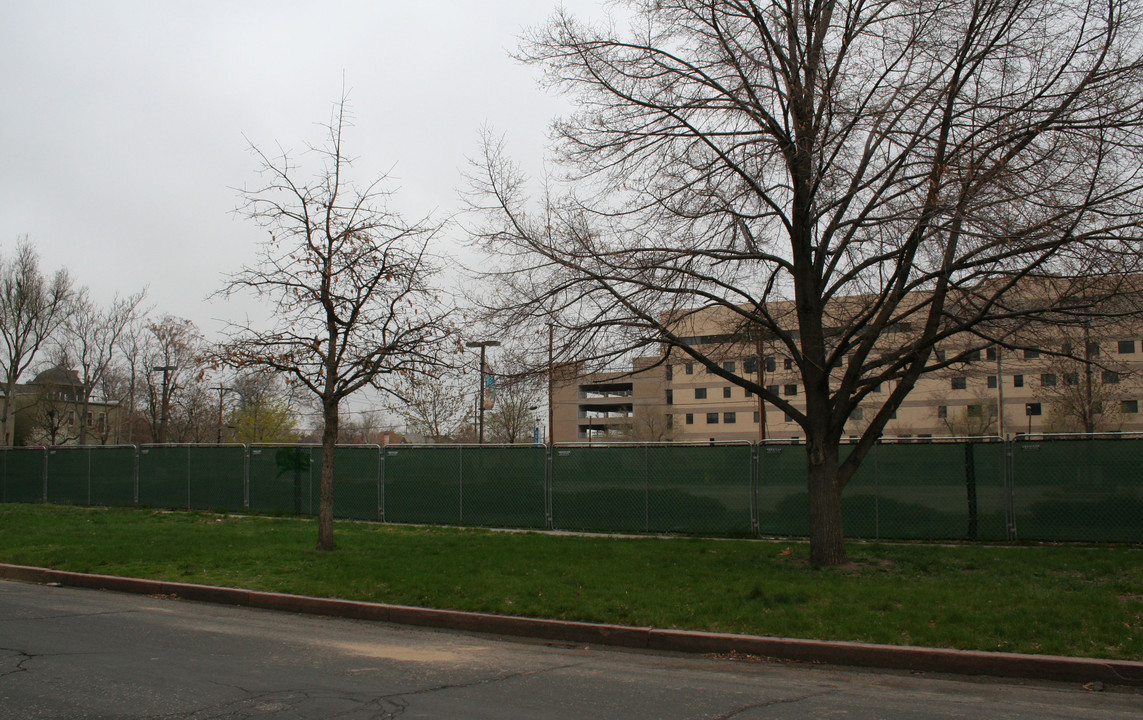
point(891, 657)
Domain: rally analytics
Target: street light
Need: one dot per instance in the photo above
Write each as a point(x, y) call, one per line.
point(482, 344)
point(222, 389)
point(165, 399)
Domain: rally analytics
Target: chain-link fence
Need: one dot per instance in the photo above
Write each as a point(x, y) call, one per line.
point(1076, 488)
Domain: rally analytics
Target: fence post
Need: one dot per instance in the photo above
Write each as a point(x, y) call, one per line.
point(46, 452)
point(970, 485)
point(460, 480)
point(548, 481)
point(755, 471)
point(135, 473)
point(246, 477)
point(381, 450)
point(89, 476)
point(1010, 488)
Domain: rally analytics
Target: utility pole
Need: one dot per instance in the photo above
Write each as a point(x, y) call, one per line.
point(483, 403)
point(164, 399)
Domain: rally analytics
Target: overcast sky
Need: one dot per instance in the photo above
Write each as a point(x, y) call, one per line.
point(123, 124)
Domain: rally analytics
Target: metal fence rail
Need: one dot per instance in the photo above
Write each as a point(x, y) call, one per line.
point(1052, 488)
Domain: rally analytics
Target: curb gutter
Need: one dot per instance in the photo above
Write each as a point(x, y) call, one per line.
point(890, 657)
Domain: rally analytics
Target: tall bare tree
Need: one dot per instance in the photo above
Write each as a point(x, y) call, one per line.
point(854, 182)
point(32, 308)
point(173, 365)
point(348, 280)
point(91, 337)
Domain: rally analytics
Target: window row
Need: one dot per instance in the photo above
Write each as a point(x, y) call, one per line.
point(1107, 377)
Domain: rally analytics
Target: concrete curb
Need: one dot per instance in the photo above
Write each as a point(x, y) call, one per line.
point(891, 657)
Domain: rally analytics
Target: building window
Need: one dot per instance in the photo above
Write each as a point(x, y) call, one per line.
point(750, 365)
point(726, 392)
point(1048, 380)
point(700, 393)
point(690, 419)
point(729, 366)
point(857, 414)
point(670, 421)
point(772, 389)
point(790, 390)
point(689, 368)
point(789, 417)
point(712, 418)
point(771, 365)
point(1093, 349)
point(942, 411)
point(960, 383)
point(788, 363)
point(877, 388)
point(990, 353)
point(1110, 377)
point(749, 393)
point(757, 416)
point(1032, 409)
point(975, 411)
point(1017, 381)
point(730, 418)
point(972, 355)
point(991, 382)
point(1031, 353)
point(670, 397)
point(1126, 347)
point(1071, 379)
point(1129, 407)
point(940, 355)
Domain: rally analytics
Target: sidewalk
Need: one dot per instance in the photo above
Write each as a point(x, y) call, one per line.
point(915, 659)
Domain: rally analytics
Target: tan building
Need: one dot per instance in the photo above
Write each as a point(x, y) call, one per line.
point(1079, 379)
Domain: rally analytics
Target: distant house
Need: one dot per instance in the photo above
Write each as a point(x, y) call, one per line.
point(49, 411)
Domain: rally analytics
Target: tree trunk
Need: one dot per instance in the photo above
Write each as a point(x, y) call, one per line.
point(325, 504)
point(827, 534)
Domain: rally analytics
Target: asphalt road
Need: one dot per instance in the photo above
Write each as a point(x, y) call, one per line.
point(72, 653)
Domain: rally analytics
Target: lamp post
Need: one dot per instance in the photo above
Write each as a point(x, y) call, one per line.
point(482, 344)
point(164, 399)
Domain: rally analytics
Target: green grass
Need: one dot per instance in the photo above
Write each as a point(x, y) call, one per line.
point(1060, 600)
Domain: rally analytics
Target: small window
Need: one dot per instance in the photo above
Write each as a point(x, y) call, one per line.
point(975, 411)
point(1033, 409)
point(972, 355)
point(990, 353)
point(729, 366)
point(940, 355)
point(712, 418)
point(700, 393)
point(730, 418)
point(960, 383)
point(749, 393)
point(1048, 380)
point(750, 365)
point(788, 363)
point(670, 397)
point(942, 411)
point(689, 368)
point(1110, 377)
point(771, 364)
point(1129, 407)
point(726, 391)
point(857, 414)
point(757, 416)
point(1071, 379)
point(1031, 353)
point(991, 382)
point(670, 373)
point(1126, 347)
point(789, 417)
point(877, 388)
point(1017, 381)
point(690, 419)
point(790, 390)
point(1093, 349)
point(772, 389)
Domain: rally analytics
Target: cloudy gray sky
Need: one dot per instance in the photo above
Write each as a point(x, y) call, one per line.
point(123, 124)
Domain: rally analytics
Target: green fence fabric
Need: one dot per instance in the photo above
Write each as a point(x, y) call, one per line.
point(24, 474)
point(1084, 489)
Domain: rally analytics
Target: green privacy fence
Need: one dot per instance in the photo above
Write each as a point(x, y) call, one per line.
point(1085, 488)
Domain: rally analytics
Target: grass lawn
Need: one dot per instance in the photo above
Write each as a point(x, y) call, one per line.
point(1059, 600)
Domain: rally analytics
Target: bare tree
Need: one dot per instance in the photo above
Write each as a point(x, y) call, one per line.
point(432, 406)
point(348, 280)
point(172, 373)
point(91, 337)
point(513, 418)
point(32, 307)
point(854, 182)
